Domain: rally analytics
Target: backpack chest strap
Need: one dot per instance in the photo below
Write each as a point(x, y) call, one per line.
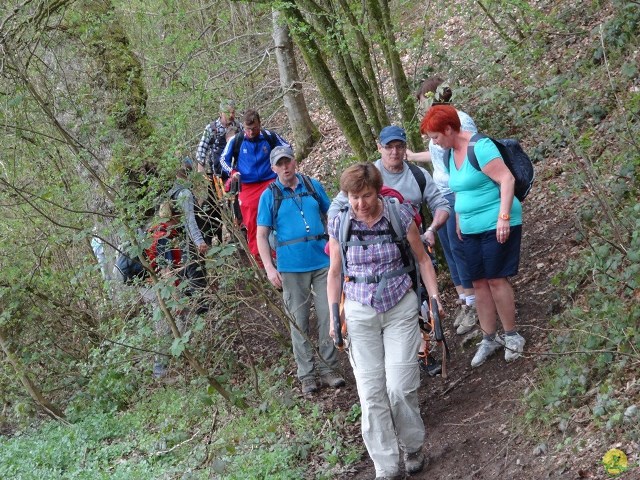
point(381, 279)
point(363, 243)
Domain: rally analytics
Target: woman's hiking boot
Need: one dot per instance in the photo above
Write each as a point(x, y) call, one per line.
point(486, 348)
point(429, 365)
point(461, 314)
point(414, 462)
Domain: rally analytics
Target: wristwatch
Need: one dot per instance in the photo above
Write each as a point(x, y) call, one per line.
point(431, 229)
point(504, 216)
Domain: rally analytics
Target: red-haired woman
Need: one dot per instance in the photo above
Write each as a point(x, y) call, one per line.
point(490, 223)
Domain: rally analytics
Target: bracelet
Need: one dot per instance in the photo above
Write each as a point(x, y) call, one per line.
point(431, 229)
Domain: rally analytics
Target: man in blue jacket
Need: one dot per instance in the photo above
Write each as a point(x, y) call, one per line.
point(246, 158)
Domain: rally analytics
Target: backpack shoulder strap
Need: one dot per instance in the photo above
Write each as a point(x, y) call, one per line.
point(277, 201)
point(447, 159)
point(175, 191)
point(270, 137)
point(471, 153)
point(309, 186)
point(419, 176)
point(343, 235)
point(394, 218)
point(237, 143)
point(397, 232)
point(401, 240)
point(311, 189)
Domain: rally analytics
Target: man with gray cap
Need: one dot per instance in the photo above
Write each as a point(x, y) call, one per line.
point(414, 183)
point(214, 139)
point(292, 210)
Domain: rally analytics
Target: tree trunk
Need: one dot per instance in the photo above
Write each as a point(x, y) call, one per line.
point(118, 69)
point(328, 87)
point(380, 16)
point(336, 49)
point(378, 113)
point(305, 133)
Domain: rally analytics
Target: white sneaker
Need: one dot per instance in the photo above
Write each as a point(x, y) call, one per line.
point(513, 346)
point(461, 314)
point(485, 350)
point(468, 321)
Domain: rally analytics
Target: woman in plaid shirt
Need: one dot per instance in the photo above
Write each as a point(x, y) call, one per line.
point(382, 322)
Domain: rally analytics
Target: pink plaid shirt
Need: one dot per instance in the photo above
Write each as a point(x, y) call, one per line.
point(373, 260)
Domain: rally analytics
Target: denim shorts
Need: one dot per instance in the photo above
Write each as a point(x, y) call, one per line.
point(486, 258)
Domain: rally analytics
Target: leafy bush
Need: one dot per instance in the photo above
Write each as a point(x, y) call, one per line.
point(598, 338)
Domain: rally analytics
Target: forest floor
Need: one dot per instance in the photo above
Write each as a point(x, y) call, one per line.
point(475, 417)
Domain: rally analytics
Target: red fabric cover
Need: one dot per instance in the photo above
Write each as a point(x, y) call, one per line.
point(390, 192)
point(249, 197)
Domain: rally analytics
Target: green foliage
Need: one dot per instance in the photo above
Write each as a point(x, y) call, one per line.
point(128, 445)
point(179, 430)
point(92, 353)
point(598, 339)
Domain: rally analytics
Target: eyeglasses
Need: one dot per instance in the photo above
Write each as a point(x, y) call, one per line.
point(397, 148)
point(251, 128)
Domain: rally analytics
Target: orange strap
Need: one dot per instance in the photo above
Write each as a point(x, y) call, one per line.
point(219, 187)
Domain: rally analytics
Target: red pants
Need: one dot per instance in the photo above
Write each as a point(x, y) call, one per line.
point(249, 198)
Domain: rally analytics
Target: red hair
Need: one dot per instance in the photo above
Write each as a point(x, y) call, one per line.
point(438, 118)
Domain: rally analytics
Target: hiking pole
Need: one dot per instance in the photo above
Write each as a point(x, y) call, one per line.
point(337, 327)
point(439, 334)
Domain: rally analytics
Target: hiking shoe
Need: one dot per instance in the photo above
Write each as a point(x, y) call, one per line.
point(414, 462)
point(513, 346)
point(430, 365)
point(332, 380)
point(159, 369)
point(468, 321)
point(461, 314)
point(485, 350)
point(309, 386)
